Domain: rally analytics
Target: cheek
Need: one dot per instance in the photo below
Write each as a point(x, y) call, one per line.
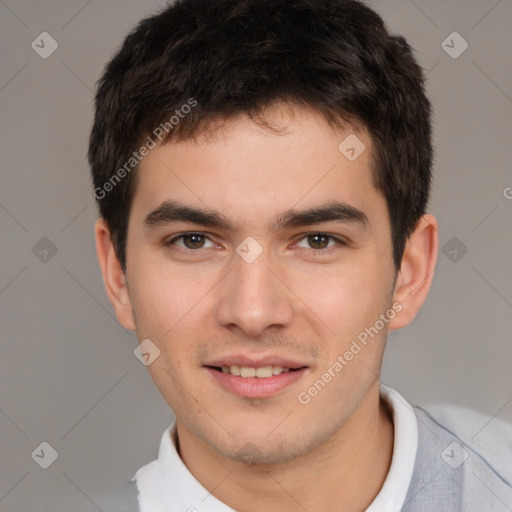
point(345, 299)
point(166, 312)
point(164, 294)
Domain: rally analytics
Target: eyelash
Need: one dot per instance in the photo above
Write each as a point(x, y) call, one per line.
point(316, 252)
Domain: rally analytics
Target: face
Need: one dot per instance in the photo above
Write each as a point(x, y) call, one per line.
point(263, 277)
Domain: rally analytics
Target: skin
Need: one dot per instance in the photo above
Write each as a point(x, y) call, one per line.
point(294, 301)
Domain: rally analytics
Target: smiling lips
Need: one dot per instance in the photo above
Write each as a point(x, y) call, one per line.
point(249, 378)
point(263, 372)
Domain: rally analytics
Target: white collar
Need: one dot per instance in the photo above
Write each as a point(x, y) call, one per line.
point(167, 484)
point(392, 495)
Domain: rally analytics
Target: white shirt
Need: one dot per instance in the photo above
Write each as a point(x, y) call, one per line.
point(166, 484)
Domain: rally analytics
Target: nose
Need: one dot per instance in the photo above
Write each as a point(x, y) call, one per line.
point(254, 297)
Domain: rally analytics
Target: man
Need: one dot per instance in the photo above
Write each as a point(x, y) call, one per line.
point(262, 170)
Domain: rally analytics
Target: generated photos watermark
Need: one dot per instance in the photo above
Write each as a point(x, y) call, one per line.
point(305, 397)
point(150, 143)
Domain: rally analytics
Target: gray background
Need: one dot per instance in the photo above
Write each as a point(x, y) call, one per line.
point(68, 375)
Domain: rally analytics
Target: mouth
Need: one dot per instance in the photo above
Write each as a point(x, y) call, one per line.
point(261, 372)
point(251, 379)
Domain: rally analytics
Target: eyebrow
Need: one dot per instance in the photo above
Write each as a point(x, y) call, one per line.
point(332, 211)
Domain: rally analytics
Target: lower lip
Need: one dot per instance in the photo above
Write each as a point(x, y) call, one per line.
point(254, 387)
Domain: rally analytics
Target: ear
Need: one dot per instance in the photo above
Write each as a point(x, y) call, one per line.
point(416, 271)
point(113, 275)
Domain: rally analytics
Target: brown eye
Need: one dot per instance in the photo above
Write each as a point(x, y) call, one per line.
point(190, 241)
point(318, 241)
point(193, 241)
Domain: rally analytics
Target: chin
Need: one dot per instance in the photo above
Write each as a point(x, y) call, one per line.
point(267, 448)
point(263, 452)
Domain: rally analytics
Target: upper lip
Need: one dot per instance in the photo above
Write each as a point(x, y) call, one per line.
point(255, 362)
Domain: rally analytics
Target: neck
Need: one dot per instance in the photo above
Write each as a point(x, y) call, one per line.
point(349, 468)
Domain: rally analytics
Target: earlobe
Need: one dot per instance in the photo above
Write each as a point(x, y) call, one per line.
point(416, 271)
point(113, 276)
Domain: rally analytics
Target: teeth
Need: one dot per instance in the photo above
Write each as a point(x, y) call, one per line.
point(247, 372)
point(265, 371)
point(262, 372)
point(276, 370)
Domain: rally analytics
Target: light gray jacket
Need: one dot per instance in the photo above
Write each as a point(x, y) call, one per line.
point(463, 463)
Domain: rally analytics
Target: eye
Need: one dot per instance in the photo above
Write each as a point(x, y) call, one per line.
point(319, 242)
point(191, 241)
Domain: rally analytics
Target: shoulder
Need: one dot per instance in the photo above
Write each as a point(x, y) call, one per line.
point(463, 461)
point(489, 437)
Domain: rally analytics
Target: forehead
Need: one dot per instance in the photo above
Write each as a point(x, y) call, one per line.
point(252, 173)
